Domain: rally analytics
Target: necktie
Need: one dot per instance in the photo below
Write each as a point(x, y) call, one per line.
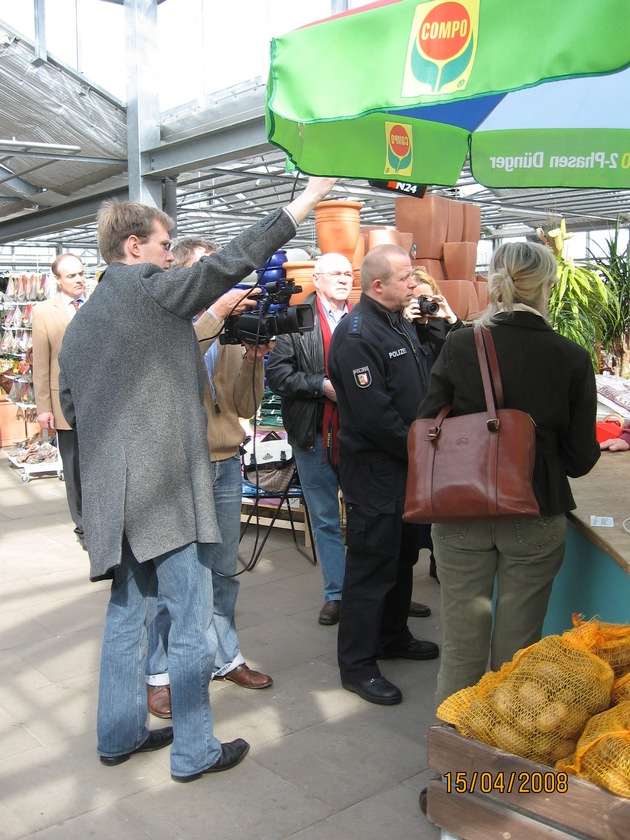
point(76, 304)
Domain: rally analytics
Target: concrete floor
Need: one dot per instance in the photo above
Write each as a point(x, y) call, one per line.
point(323, 763)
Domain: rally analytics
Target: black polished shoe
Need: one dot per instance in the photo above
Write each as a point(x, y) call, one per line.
point(417, 610)
point(157, 739)
point(416, 649)
point(231, 754)
point(376, 690)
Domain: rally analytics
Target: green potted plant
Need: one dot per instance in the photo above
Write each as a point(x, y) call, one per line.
point(582, 304)
point(614, 263)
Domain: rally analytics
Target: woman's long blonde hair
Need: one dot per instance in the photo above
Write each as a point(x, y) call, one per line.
point(518, 273)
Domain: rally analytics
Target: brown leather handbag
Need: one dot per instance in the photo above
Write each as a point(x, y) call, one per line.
point(474, 466)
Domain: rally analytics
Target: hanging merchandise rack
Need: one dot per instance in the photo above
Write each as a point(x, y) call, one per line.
point(27, 452)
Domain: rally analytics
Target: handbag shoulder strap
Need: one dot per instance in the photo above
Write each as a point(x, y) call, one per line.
point(485, 372)
point(491, 355)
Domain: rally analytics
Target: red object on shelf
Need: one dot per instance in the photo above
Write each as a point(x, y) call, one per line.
point(609, 427)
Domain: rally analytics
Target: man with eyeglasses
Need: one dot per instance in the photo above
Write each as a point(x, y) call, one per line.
point(132, 383)
point(297, 369)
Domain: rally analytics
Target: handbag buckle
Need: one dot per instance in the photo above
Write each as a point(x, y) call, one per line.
point(433, 433)
point(493, 424)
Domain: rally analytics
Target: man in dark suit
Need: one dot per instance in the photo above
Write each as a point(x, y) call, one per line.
point(148, 504)
point(50, 319)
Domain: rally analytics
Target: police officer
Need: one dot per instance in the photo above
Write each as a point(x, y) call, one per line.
point(379, 371)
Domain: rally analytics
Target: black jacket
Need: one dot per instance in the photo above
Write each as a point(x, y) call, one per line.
point(380, 373)
point(295, 371)
point(542, 373)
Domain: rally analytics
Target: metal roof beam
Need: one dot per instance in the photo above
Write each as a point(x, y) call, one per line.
point(243, 137)
point(56, 218)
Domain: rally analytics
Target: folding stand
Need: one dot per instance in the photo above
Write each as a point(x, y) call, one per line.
point(292, 491)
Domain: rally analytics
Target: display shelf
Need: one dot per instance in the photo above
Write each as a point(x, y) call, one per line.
point(34, 456)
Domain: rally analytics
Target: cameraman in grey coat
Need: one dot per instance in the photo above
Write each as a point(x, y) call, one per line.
point(132, 383)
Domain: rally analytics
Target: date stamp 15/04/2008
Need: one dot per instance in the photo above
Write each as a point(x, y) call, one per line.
point(502, 782)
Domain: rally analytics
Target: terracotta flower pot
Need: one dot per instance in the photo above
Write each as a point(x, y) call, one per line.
point(432, 267)
point(405, 240)
point(427, 219)
point(337, 224)
point(455, 221)
point(382, 236)
point(302, 275)
point(472, 223)
point(460, 260)
point(461, 296)
point(359, 252)
point(308, 287)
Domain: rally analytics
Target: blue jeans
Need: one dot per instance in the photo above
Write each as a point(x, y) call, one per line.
point(320, 486)
point(185, 583)
point(227, 489)
point(495, 583)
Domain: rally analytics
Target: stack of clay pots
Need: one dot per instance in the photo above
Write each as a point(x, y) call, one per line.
point(446, 234)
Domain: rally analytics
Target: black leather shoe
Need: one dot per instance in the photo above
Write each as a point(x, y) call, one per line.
point(416, 649)
point(417, 610)
point(157, 739)
point(231, 754)
point(377, 690)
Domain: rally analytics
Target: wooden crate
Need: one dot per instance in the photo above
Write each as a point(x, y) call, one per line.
point(583, 810)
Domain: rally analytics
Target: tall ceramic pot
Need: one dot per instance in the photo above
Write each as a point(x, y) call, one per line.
point(301, 272)
point(337, 224)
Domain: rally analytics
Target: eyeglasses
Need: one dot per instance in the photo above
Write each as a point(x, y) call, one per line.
point(336, 273)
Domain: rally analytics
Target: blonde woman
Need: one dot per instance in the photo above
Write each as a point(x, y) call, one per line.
point(511, 561)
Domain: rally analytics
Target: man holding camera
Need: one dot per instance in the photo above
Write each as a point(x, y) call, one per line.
point(298, 370)
point(234, 389)
point(379, 371)
point(148, 507)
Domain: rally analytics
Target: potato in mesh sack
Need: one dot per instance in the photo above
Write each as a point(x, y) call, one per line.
point(602, 754)
point(620, 690)
point(537, 705)
point(612, 642)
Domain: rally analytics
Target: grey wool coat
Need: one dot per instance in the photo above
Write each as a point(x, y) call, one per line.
point(132, 383)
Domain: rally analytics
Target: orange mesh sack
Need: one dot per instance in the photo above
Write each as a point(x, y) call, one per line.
point(612, 642)
point(620, 690)
point(602, 754)
point(537, 705)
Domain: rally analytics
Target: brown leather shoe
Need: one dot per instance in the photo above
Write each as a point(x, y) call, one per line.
point(247, 678)
point(329, 613)
point(418, 610)
point(159, 700)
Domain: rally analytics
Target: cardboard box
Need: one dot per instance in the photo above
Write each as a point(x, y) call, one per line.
point(486, 793)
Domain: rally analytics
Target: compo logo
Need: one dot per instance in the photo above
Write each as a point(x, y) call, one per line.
point(442, 47)
point(399, 142)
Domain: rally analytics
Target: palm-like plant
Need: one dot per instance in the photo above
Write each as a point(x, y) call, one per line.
point(614, 263)
point(582, 304)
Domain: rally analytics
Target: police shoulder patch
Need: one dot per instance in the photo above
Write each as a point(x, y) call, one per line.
point(362, 376)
